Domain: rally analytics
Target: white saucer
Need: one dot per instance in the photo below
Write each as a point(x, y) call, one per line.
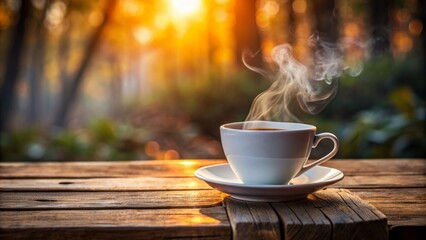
point(222, 178)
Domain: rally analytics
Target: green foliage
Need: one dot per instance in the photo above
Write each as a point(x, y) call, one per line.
point(380, 113)
point(103, 140)
point(373, 86)
point(22, 145)
point(394, 132)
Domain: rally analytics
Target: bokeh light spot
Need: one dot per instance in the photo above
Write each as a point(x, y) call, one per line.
point(171, 155)
point(152, 148)
point(143, 35)
point(185, 7)
point(96, 18)
point(299, 6)
point(415, 27)
point(271, 8)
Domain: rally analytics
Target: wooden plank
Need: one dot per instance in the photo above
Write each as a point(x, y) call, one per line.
point(186, 168)
point(106, 233)
point(250, 220)
point(403, 206)
point(349, 214)
point(398, 196)
point(331, 214)
point(200, 223)
point(171, 168)
point(303, 221)
point(378, 167)
point(108, 200)
point(382, 181)
point(102, 184)
point(404, 214)
point(153, 183)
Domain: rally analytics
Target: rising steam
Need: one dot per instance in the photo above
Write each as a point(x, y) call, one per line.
point(309, 86)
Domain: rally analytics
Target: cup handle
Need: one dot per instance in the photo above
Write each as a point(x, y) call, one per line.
point(317, 139)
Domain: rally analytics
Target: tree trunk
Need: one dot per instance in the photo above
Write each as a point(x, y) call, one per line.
point(326, 24)
point(69, 96)
point(422, 16)
point(13, 59)
point(247, 36)
point(35, 104)
point(379, 15)
point(64, 50)
point(291, 27)
point(115, 90)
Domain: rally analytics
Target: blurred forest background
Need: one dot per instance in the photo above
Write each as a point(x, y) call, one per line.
point(154, 79)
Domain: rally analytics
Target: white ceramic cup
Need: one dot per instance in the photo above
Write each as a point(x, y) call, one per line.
point(273, 156)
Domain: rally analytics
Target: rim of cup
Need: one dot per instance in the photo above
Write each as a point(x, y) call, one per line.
point(286, 126)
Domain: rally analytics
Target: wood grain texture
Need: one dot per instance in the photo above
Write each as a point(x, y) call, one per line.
point(377, 167)
point(331, 214)
point(402, 206)
point(302, 222)
point(251, 220)
point(186, 168)
point(164, 184)
point(200, 223)
point(103, 184)
point(187, 183)
point(382, 181)
point(163, 200)
point(156, 168)
point(349, 214)
point(109, 200)
point(112, 233)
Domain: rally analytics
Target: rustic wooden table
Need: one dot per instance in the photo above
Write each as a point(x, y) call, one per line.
point(163, 200)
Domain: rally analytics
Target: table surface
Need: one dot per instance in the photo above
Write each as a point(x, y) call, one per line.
point(162, 199)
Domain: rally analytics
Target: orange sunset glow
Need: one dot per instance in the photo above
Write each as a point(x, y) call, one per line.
point(185, 7)
point(133, 79)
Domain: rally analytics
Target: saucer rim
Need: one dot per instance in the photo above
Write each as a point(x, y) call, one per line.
point(339, 176)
